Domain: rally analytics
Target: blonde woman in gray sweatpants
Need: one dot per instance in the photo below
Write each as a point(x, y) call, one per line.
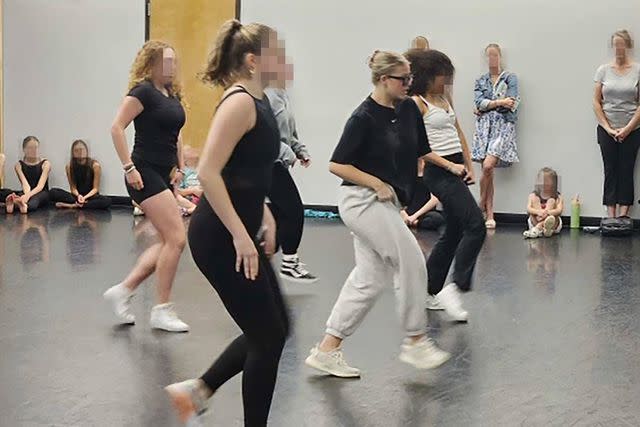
point(377, 159)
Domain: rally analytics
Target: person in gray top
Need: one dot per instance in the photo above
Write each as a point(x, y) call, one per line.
point(617, 107)
point(286, 203)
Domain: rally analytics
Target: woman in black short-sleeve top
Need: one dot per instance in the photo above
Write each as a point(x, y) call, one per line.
point(154, 104)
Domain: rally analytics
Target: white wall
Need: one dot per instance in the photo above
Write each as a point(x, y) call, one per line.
point(66, 65)
point(554, 46)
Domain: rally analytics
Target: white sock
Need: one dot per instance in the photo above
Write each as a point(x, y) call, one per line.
point(292, 258)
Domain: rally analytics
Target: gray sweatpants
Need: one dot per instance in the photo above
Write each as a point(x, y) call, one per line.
point(386, 251)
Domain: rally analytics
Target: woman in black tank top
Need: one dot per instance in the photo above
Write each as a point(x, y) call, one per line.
point(235, 172)
point(83, 174)
point(33, 174)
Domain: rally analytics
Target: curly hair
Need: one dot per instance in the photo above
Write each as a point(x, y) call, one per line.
point(140, 72)
point(426, 65)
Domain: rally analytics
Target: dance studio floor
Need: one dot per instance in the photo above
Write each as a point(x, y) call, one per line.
point(554, 337)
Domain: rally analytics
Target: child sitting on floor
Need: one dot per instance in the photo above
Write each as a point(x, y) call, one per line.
point(421, 211)
point(190, 187)
point(545, 206)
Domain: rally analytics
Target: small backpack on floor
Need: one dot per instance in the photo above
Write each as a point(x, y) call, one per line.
point(616, 227)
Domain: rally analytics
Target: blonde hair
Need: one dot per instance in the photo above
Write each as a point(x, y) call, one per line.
point(383, 63)
point(141, 69)
point(624, 35)
point(494, 46)
point(418, 40)
point(226, 60)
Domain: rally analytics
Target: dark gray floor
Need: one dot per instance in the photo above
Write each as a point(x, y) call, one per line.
point(554, 337)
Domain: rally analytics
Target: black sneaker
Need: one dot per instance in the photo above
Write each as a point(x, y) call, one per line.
point(294, 271)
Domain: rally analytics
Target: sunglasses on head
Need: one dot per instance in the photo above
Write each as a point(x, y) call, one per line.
point(406, 80)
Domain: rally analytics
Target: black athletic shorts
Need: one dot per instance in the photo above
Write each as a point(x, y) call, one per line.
point(155, 178)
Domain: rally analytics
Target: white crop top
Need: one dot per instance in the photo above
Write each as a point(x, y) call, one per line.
point(441, 130)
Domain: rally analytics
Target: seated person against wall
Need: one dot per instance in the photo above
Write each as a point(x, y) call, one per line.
point(545, 206)
point(421, 212)
point(190, 187)
point(83, 174)
point(33, 174)
point(4, 192)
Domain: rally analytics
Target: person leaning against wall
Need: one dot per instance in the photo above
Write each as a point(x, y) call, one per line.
point(617, 109)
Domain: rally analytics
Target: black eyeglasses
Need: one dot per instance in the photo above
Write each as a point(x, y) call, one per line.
point(406, 80)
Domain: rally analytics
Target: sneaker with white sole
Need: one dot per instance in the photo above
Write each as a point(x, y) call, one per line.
point(188, 400)
point(163, 317)
point(549, 226)
point(449, 298)
point(423, 354)
point(120, 298)
point(532, 233)
point(332, 363)
point(292, 269)
point(433, 303)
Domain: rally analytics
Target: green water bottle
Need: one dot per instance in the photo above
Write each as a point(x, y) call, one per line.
point(575, 212)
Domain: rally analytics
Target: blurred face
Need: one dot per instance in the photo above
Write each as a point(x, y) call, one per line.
point(548, 183)
point(420, 43)
point(440, 84)
point(493, 57)
point(396, 84)
point(274, 68)
point(164, 69)
point(80, 151)
point(31, 149)
point(620, 47)
point(190, 156)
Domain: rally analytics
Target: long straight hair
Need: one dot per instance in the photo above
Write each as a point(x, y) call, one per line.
point(76, 165)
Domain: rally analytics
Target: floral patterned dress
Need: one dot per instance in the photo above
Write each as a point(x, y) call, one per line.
point(495, 132)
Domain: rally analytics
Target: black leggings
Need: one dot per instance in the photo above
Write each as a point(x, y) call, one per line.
point(619, 160)
point(464, 233)
point(37, 201)
point(58, 195)
point(256, 306)
point(288, 211)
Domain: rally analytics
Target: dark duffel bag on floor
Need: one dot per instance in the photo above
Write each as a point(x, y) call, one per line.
point(616, 227)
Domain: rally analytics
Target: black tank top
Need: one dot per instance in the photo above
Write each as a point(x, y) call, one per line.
point(250, 166)
point(83, 177)
point(247, 176)
point(33, 174)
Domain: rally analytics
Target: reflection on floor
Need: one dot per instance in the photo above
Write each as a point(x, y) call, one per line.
point(553, 339)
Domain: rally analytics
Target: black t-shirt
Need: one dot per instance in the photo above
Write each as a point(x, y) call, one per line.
point(386, 143)
point(158, 126)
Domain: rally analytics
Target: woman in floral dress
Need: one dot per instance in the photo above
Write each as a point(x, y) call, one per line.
point(494, 140)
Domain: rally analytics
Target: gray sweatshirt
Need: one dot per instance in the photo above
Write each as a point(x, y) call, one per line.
point(290, 147)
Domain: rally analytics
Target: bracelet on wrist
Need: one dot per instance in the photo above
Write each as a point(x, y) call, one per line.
point(131, 169)
point(127, 166)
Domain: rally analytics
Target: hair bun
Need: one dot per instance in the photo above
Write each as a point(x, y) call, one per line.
point(235, 25)
point(372, 58)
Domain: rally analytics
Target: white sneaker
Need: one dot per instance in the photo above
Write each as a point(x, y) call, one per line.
point(188, 400)
point(549, 226)
point(533, 233)
point(163, 317)
point(449, 298)
point(423, 354)
point(332, 363)
point(433, 303)
point(120, 298)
